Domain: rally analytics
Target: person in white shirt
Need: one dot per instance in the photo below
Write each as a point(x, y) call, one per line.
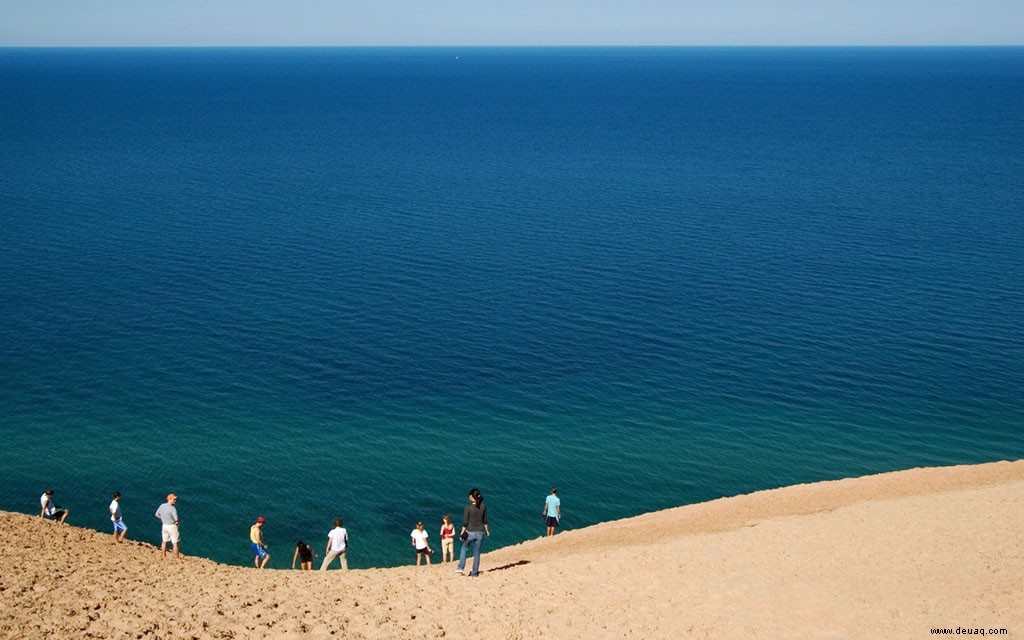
point(419, 542)
point(120, 528)
point(337, 545)
point(50, 510)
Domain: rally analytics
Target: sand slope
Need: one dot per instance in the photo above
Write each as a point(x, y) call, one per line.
point(892, 556)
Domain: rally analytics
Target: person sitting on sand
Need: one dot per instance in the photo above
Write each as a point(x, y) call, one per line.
point(337, 545)
point(303, 553)
point(51, 511)
point(419, 542)
point(447, 539)
point(120, 528)
point(259, 548)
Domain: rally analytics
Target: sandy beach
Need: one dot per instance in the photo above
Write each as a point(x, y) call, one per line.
point(887, 556)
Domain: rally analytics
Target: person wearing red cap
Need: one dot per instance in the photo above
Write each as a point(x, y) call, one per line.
point(259, 549)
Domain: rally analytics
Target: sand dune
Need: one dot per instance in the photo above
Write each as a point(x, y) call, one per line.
point(887, 556)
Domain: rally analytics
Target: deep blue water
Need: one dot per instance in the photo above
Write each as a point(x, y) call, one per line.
point(358, 282)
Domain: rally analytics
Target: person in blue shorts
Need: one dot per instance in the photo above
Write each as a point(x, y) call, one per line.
point(552, 511)
point(259, 548)
point(120, 528)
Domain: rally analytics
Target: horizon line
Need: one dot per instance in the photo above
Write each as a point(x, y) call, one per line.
point(511, 46)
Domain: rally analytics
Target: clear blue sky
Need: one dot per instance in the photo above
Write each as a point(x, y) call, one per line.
point(509, 22)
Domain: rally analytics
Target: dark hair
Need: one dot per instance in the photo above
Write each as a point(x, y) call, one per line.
point(300, 544)
point(338, 522)
point(478, 498)
point(117, 494)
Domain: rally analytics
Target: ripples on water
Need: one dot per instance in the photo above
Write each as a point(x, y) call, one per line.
point(359, 282)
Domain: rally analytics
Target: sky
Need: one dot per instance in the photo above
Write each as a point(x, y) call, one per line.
point(509, 22)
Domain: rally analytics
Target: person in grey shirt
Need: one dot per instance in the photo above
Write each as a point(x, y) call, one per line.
point(168, 515)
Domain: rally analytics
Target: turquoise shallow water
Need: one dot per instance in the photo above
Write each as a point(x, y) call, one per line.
point(309, 283)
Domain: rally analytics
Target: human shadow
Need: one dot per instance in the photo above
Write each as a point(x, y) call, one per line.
point(509, 566)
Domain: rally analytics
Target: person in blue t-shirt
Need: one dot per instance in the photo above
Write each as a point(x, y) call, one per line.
point(552, 511)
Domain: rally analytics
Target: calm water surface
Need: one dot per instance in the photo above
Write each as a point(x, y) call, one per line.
point(359, 282)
